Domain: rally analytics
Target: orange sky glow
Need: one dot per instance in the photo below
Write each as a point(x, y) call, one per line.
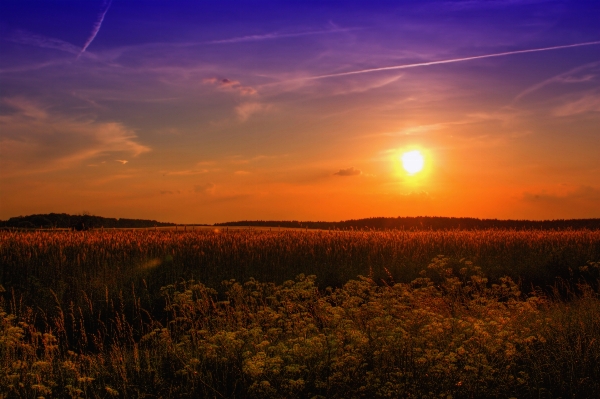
point(293, 118)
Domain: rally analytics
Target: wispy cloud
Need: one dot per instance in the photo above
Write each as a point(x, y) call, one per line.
point(278, 35)
point(188, 172)
point(230, 85)
point(207, 188)
point(579, 79)
point(470, 4)
point(413, 130)
point(33, 67)
point(26, 108)
point(238, 159)
point(588, 103)
point(585, 193)
point(34, 140)
point(31, 39)
point(355, 86)
point(246, 110)
point(417, 196)
point(571, 76)
point(348, 172)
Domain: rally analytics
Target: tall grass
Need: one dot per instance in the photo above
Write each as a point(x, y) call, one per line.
point(72, 262)
point(444, 334)
point(163, 314)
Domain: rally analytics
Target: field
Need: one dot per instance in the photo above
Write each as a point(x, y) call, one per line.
point(267, 313)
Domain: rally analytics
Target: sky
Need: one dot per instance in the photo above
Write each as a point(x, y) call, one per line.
point(214, 111)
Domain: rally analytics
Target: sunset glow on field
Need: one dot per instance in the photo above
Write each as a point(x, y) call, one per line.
point(206, 111)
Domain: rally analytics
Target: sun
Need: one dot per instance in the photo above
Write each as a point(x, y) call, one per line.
point(413, 161)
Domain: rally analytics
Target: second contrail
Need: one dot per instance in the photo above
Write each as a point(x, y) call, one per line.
point(477, 57)
point(96, 27)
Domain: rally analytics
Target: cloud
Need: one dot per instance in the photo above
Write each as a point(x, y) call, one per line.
point(276, 35)
point(581, 202)
point(239, 159)
point(123, 161)
point(229, 198)
point(348, 172)
point(578, 79)
point(246, 110)
point(470, 4)
point(188, 172)
point(230, 85)
point(26, 109)
point(414, 130)
point(587, 103)
point(571, 76)
point(209, 194)
point(581, 193)
point(417, 196)
point(31, 39)
point(33, 67)
point(35, 140)
point(208, 188)
point(353, 86)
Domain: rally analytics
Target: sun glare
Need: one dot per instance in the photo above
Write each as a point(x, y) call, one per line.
point(412, 161)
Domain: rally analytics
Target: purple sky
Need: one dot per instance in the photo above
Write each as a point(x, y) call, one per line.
point(206, 111)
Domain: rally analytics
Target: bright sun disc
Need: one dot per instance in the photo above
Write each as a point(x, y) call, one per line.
point(412, 161)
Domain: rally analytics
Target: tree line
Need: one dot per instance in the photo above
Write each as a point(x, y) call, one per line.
point(76, 222)
point(427, 223)
point(86, 221)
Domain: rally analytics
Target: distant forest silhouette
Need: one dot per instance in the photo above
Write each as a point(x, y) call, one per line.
point(86, 221)
point(428, 223)
point(76, 222)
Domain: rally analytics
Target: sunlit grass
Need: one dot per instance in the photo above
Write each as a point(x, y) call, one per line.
point(102, 314)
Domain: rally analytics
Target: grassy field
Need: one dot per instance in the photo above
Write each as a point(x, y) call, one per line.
point(239, 313)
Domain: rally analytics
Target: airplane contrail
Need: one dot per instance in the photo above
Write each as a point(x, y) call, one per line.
point(97, 25)
point(420, 64)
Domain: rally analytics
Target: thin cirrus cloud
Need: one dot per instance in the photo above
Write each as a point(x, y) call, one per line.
point(35, 140)
point(571, 76)
point(277, 35)
point(246, 110)
point(587, 103)
point(32, 39)
point(187, 172)
point(471, 4)
point(348, 172)
point(579, 79)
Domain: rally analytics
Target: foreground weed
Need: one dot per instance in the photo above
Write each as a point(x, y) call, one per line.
point(448, 333)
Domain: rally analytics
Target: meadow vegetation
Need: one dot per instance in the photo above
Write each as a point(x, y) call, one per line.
point(240, 314)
